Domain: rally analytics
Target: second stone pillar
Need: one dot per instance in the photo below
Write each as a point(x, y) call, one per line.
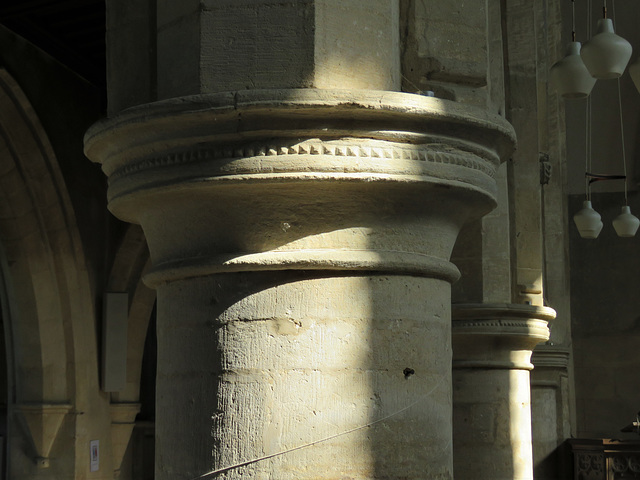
point(492, 346)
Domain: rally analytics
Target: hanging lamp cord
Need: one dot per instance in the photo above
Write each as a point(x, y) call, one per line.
point(624, 153)
point(573, 20)
point(587, 149)
point(587, 123)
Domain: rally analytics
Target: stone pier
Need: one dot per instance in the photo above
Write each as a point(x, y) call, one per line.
point(300, 216)
point(301, 242)
point(492, 346)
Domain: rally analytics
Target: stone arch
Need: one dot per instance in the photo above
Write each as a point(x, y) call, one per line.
point(51, 324)
point(130, 263)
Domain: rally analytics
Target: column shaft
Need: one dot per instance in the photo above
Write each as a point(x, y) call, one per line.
point(311, 370)
point(492, 346)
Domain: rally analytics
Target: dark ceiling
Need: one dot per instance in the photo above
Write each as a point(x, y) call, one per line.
point(71, 31)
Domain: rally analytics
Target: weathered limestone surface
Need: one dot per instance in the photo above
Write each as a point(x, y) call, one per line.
point(470, 69)
point(483, 253)
point(224, 45)
point(316, 356)
point(300, 241)
point(453, 66)
point(492, 345)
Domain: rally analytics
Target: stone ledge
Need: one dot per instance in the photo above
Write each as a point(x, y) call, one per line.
point(389, 262)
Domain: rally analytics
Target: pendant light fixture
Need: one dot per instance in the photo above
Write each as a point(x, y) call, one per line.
point(626, 224)
point(606, 54)
point(588, 221)
point(569, 75)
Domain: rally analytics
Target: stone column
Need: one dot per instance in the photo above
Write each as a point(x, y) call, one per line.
point(300, 242)
point(300, 219)
point(550, 390)
point(492, 347)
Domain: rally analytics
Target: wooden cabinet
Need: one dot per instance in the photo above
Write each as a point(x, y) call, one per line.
point(605, 459)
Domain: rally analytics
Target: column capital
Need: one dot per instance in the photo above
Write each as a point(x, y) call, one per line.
point(498, 335)
point(301, 179)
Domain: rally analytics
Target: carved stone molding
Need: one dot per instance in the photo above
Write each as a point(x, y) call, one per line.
point(44, 421)
point(338, 156)
point(498, 335)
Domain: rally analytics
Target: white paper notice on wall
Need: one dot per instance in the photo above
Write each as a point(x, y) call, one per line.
point(94, 454)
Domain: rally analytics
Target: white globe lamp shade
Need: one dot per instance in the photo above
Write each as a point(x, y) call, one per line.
point(569, 75)
point(588, 221)
point(626, 224)
point(634, 71)
point(606, 55)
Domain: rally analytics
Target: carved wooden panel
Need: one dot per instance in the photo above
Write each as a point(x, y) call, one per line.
point(590, 466)
point(606, 459)
point(621, 466)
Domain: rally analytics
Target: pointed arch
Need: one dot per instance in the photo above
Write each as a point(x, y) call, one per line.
point(51, 322)
point(131, 262)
